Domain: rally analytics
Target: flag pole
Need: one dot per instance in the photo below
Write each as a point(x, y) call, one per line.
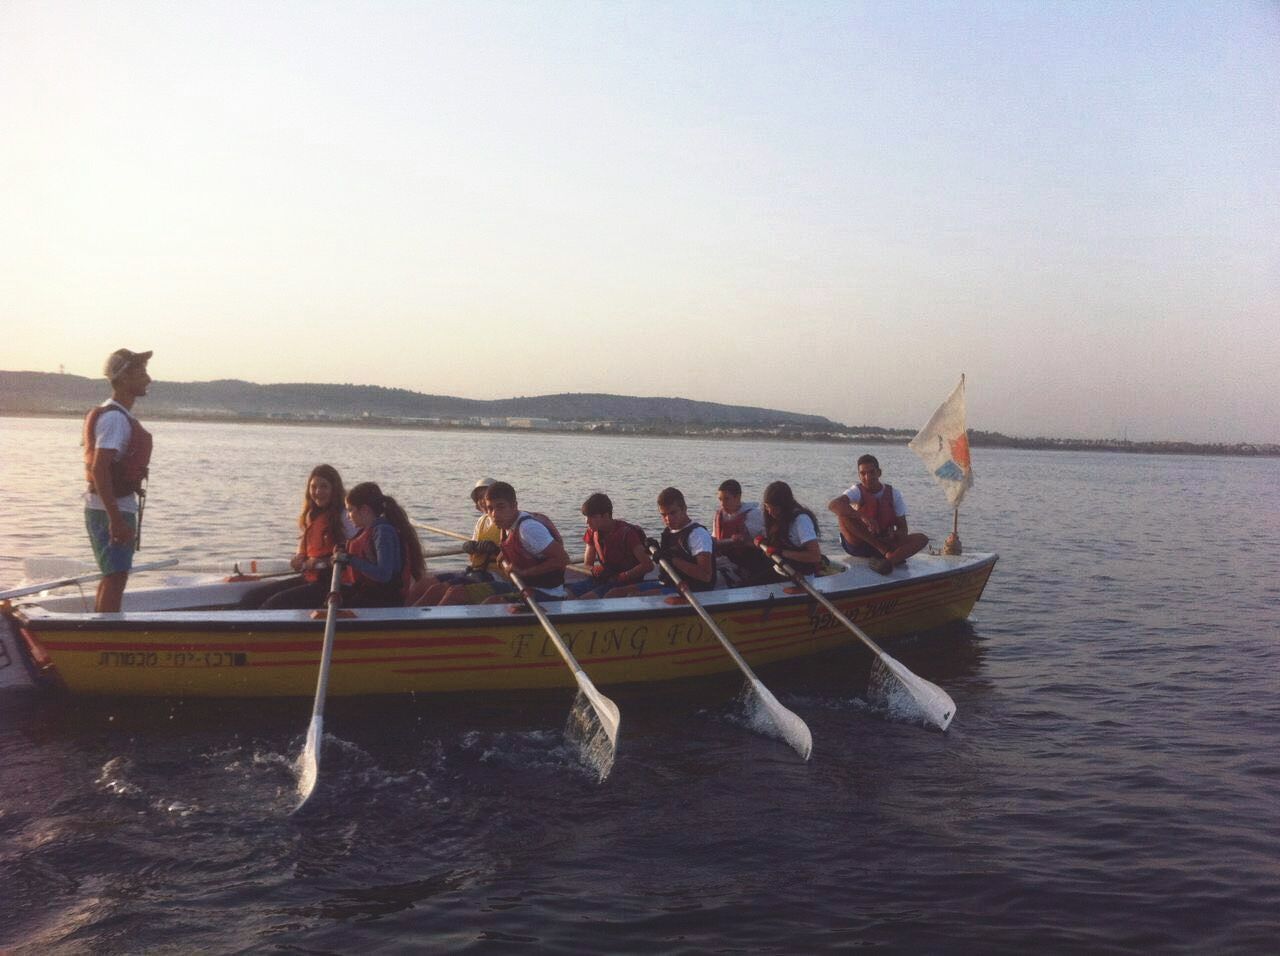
point(952, 544)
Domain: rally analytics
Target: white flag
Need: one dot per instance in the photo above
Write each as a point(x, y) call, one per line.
point(943, 446)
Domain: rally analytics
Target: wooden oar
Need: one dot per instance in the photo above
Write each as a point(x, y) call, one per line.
point(80, 579)
point(443, 531)
point(441, 552)
point(606, 711)
point(785, 723)
point(309, 761)
point(933, 701)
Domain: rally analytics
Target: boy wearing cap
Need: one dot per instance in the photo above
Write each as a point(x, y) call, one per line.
point(482, 553)
point(477, 582)
point(117, 452)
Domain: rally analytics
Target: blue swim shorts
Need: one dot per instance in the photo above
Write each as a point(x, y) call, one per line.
point(111, 558)
point(858, 549)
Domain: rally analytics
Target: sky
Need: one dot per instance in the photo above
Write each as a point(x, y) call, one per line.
point(829, 208)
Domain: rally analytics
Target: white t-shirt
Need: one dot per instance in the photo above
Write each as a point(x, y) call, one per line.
point(755, 520)
point(535, 538)
point(112, 431)
point(700, 542)
point(854, 494)
point(801, 531)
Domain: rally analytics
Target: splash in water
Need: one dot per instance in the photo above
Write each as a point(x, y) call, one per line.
point(585, 732)
point(763, 714)
point(885, 692)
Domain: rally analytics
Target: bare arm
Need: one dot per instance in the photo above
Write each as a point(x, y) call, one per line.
point(644, 564)
point(700, 568)
point(841, 507)
point(810, 553)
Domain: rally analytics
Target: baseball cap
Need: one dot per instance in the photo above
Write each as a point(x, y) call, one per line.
point(121, 360)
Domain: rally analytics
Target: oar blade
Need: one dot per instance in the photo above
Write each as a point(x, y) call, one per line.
point(606, 710)
point(593, 728)
point(309, 762)
point(931, 700)
point(769, 717)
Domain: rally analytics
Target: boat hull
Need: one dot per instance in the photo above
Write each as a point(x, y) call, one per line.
point(437, 650)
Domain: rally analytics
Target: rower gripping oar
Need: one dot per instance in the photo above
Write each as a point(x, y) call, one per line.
point(787, 724)
point(605, 709)
point(309, 761)
point(933, 701)
point(80, 579)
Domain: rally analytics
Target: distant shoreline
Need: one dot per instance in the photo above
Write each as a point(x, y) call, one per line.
point(977, 439)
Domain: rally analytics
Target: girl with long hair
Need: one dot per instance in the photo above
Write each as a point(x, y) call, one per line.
point(385, 556)
point(322, 526)
point(791, 529)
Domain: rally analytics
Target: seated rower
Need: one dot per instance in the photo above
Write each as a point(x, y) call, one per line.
point(735, 527)
point(685, 544)
point(323, 525)
point(873, 520)
point(477, 582)
point(385, 556)
point(531, 546)
point(790, 530)
point(615, 552)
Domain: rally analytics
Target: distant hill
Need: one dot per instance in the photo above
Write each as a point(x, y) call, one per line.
point(45, 393)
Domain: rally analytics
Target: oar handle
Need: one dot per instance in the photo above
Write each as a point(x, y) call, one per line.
point(791, 728)
point(442, 552)
point(80, 579)
point(606, 710)
point(334, 600)
point(526, 594)
point(687, 593)
point(441, 531)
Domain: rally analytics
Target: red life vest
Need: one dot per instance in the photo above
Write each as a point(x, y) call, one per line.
point(129, 467)
point(365, 591)
point(616, 550)
point(877, 510)
point(318, 540)
point(725, 526)
point(514, 551)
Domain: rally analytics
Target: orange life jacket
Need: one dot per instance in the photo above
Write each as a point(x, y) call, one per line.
point(877, 510)
point(318, 540)
point(129, 467)
point(724, 526)
point(513, 550)
point(365, 591)
point(617, 549)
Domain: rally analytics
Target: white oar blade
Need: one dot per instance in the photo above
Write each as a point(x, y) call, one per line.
point(309, 762)
point(769, 717)
point(593, 727)
point(607, 710)
point(934, 702)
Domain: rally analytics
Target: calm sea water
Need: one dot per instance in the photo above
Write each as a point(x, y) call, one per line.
point(1110, 782)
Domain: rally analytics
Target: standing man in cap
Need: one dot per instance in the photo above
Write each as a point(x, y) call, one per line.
point(117, 451)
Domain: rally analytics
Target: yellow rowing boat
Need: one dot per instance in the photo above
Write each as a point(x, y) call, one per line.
point(183, 642)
